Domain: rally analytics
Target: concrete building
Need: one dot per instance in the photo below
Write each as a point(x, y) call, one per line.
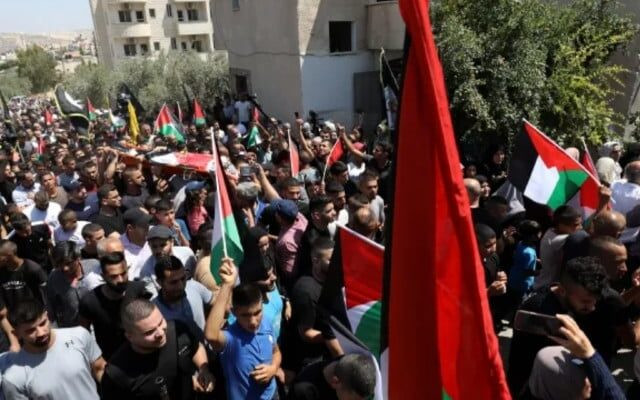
point(302, 55)
point(135, 28)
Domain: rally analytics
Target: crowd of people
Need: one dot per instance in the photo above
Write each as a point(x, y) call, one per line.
point(576, 264)
point(106, 287)
point(106, 283)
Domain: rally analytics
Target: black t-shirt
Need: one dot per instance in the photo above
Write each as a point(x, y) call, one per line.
point(104, 314)
point(35, 247)
point(6, 190)
point(303, 260)
point(26, 282)
point(310, 383)
point(304, 303)
point(110, 223)
point(132, 375)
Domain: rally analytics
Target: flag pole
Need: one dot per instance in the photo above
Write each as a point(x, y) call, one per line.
point(218, 166)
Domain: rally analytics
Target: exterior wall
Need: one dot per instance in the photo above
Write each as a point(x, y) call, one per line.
point(112, 35)
point(327, 83)
point(385, 27)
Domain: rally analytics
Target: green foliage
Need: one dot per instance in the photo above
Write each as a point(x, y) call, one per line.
point(13, 85)
point(153, 81)
point(506, 60)
point(39, 67)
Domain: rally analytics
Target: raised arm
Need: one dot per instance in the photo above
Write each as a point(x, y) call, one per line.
point(213, 329)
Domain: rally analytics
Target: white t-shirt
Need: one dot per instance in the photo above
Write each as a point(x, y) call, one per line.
point(551, 255)
point(49, 216)
point(243, 108)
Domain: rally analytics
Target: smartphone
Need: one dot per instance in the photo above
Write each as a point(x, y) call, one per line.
point(538, 324)
point(246, 171)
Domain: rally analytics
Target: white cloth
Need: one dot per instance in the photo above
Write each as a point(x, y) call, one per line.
point(133, 254)
point(551, 257)
point(49, 216)
point(59, 235)
point(625, 196)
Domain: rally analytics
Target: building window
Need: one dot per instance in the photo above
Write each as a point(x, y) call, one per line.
point(152, 13)
point(197, 46)
point(129, 50)
point(140, 16)
point(174, 44)
point(235, 4)
point(156, 46)
point(192, 15)
point(124, 16)
point(169, 11)
point(340, 36)
point(180, 16)
point(144, 49)
point(184, 46)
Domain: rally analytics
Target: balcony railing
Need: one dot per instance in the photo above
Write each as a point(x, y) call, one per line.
point(195, 28)
point(131, 30)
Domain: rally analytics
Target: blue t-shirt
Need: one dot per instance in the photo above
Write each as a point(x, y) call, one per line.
point(242, 352)
point(271, 312)
point(524, 263)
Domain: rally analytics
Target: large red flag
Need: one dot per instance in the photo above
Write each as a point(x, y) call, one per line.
point(441, 340)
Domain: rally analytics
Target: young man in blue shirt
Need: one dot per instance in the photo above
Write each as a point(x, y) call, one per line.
point(249, 353)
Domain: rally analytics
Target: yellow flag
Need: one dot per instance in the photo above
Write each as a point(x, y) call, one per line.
point(134, 128)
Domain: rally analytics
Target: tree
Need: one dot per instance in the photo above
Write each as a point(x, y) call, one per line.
point(39, 67)
point(154, 81)
point(506, 60)
point(12, 85)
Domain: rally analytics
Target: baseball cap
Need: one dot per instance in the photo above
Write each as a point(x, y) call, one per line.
point(159, 232)
point(286, 208)
point(136, 217)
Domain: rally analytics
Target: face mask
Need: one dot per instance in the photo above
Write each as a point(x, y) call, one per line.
point(118, 287)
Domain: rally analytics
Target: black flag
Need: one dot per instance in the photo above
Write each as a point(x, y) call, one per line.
point(72, 109)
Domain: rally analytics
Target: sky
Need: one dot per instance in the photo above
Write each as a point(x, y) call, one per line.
point(42, 16)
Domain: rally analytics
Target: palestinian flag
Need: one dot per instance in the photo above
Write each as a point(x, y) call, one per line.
point(72, 109)
point(253, 139)
point(226, 237)
point(352, 294)
point(198, 115)
point(196, 161)
point(166, 124)
point(294, 157)
point(544, 172)
point(91, 111)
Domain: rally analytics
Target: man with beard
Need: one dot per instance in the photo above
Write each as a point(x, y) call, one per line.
point(582, 292)
point(109, 217)
point(159, 360)
point(56, 193)
point(135, 192)
point(55, 364)
point(23, 194)
point(322, 213)
point(180, 299)
point(43, 210)
point(101, 306)
point(84, 205)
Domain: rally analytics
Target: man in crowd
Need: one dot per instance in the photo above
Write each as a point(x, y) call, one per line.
point(292, 226)
point(56, 364)
point(180, 298)
point(91, 234)
point(160, 360)
point(249, 353)
point(56, 194)
point(33, 241)
point(109, 216)
point(135, 238)
point(80, 201)
point(160, 240)
point(69, 229)
point(368, 185)
point(100, 307)
point(135, 192)
point(24, 193)
point(20, 279)
point(323, 213)
point(69, 173)
point(70, 280)
point(43, 210)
